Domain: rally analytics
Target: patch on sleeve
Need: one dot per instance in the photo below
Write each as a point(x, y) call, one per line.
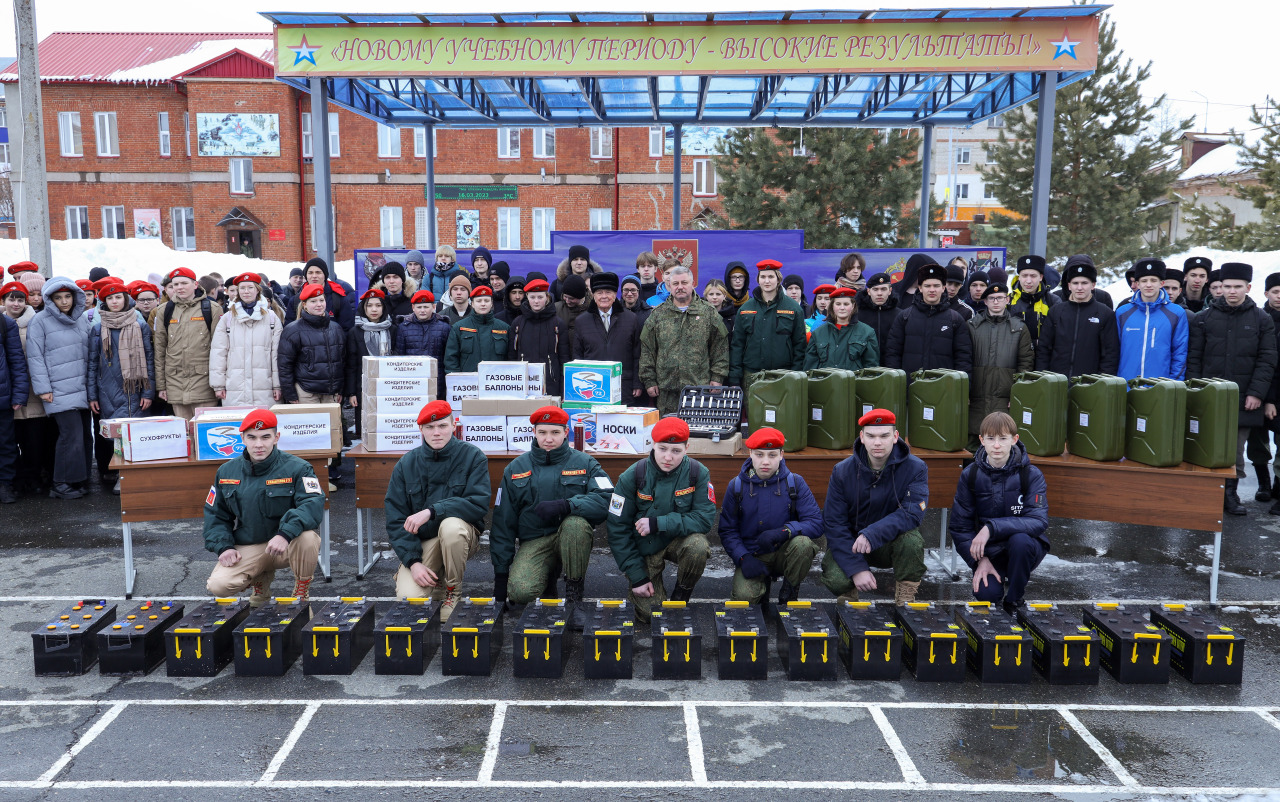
point(616, 503)
point(497, 499)
point(228, 481)
point(524, 475)
point(711, 492)
point(310, 484)
point(603, 483)
point(213, 496)
point(922, 505)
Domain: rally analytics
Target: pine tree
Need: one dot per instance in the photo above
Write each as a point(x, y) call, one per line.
point(1216, 227)
point(854, 189)
point(1105, 178)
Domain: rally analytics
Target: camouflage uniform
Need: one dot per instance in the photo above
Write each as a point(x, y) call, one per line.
point(680, 348)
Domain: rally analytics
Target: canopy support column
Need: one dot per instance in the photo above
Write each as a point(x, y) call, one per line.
point(926, 164)
point(320, 164)
point(431, 186)
point(678, 158)
point(1043, 164)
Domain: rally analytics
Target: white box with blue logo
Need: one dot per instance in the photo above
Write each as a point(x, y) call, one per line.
point(216, 437)
point(592, 382)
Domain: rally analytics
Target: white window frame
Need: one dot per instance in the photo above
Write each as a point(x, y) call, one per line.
point(544, 142)
point(77, 218)
point(421, 233)
point(391, 227)
point(508, 143)
point(4, 154)
point(186, 130)
point(307, 148)
point(704, 173)
point(509, 228)
point(420, 143)
point(544, 222)
point(388, 142)
point(996, 121)
point(333, 222)
point(800, 151)
point(241, 178)
point(963, 155)
point(4, 117)
point(70, 137)
point(335, 140)
point(113, 225)
point(162, 120)
point(989, 192)
point(107, 133)
point(601, 141)
point(657, 141)
point(179, 216)
point(962, 190)
point(600, 219)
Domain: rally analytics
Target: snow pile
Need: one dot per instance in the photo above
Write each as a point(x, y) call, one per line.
point(1264, 263)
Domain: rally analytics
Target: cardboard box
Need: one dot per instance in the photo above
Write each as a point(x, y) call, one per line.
point(216, 437)
point(507, 406)
point(727, 447)
point(198, 411)
point(519, 433)
point(459, 386)
point(388, 423)
point(393, 404)
point(504, 379)
point(486, 432)
point(624, 430)
point(592, 382)
point(399, 367)
point(309, 429)
point(581, 413)
point(391, 441)
point(110, 427)
point(424, 387)
point(155, 438)
point(537, 380)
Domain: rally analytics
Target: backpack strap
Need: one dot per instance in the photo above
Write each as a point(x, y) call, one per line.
point(168, 313)
point(638, 474)
point(206, 309)
point(794, 493)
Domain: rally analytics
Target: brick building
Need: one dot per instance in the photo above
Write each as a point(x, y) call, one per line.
point(191, 138)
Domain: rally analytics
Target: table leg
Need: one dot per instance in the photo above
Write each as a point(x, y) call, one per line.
point(936, 555)
point(130, 574)
point(325, 556)
point(1213, 574)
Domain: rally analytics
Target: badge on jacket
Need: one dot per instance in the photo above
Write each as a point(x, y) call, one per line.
point(213, 495)
point(616, 504)
point(310, 484)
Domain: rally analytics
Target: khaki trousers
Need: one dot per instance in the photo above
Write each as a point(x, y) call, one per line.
point(188, 411)
point(300, 558)
point(316, 398)
point(446, 555)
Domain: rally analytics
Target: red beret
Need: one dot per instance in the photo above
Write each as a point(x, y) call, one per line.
point(843, 292)
point(139, 287)
point(104, 281)
point(84, 284)
point(768, 264)
point(23, 267)
point(766, 438)
point(482, 291)
point(252, 278)
point(13, 286)
point(435, 411)
point(878, 417)
point(311, 291)
point(824, 289)
point(373, 294)
point(537, 285)
point(111, 288)
point(422, 297)
point(182, 272)
point(552, 415)
point(258, 419)
point(671, 430)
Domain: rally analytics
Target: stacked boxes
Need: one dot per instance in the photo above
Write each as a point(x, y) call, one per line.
point(310, 430)
point(496, 425)
point(395, 389)
point(149, 439)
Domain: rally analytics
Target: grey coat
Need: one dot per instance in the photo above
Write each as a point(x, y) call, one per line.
point(106, 383)
point(58, 350)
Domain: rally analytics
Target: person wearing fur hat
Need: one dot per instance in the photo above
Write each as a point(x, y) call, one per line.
point(457, 304)
point(539, 336)
point(397, 288)
point(479, 337)
point(1195, 291)
point(339, 296)
point(244, 354)
point(1153, 330)
point(1079, 336)
point(577, 263)
point(769, 332)
point(57, 349)
point(928, 333)
point(34, 431)
point(1259, 448)
point(481, 262)
point(1030, 298)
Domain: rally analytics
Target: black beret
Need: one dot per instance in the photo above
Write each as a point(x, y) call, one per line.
point(878, 279)
point(1198, 261)
point(1031, 262)
point(994, 288)
point(1237, 271)
point(1148, 267)
point(933, 271)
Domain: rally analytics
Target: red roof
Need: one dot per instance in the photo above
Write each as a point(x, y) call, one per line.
point(137, 57)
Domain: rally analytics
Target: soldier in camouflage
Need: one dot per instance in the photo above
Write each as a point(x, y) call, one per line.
point(683, 342)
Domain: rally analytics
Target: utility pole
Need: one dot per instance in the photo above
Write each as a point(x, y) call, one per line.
point(34, 212)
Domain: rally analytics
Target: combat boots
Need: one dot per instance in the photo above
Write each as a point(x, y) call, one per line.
point(1231, 500)
point(262, 589)
point(573, 595)
point(904, 592)
point(787, 593)
point(1263, 471)
point(452, 595)
point(302, 590)
point(681, 593)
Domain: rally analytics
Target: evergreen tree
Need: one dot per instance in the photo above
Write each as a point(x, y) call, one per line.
point(1216, 227)
point(854, 189)
point(1105, 176)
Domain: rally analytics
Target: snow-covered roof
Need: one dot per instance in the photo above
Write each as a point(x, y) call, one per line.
point(109, 57)
point(1221, 161)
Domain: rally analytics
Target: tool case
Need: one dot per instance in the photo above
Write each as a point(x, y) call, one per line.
point(269, 639)
point(135, 645)
point(608, 640)
point(807, 644)
point(471, 640)
point(1133, 650)
point(933, 646)
point(711, 411)
point(676, 645)
point(1064, 651)
point(407, 637)
point(67, 646)
point(203, 642)
point(1203, 649)
point(338, 637)
point(538, 643)
point(870, 641)
point(743, 642)
point(999, 647)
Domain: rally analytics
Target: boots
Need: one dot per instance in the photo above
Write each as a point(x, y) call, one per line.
point(262, 589)
point(904, 592)
point(1263, 471)
point(1231, 501)
point(452, 595)
point(552, 590)
point(573, 595)
point(302, 590)
point(787, 593)
point(681, 593)
point(851, 596)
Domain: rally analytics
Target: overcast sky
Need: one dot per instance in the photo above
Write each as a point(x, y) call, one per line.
point(1223, 51)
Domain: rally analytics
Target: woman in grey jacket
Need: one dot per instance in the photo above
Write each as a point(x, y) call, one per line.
point(57, 358)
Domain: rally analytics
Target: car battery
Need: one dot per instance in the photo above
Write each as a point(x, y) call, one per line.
point(133, 646)
point(407, 637)
point(67, 646)
point(269, 639)
point(1064, 651)
point(471, 640)
point(807, 643)
point(338, 637)
point(676, 645)
point(870, 641)
point(1203, 650)
point(538, 643)
point(933, 646)
point(203, 642)
point(743, 642)
point(608, 640)
point(1133, 649)
point(999, 647)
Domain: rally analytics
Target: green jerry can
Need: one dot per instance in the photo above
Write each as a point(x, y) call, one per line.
point(833, 408)
point(938, 409)
point(780, 399)
point(1096, 405)
point(881, 388)
point(1213, 415)
point(1156, 424)
point(1038, 404)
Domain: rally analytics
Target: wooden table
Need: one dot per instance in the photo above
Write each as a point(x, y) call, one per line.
point(174, 489)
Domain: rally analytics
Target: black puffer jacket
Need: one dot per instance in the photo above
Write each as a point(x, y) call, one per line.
point(879, 318)
point(925, 337)
point(1099, 295)
point(1237, 343)
point(312, 355)
point(1273, 395)
point(1079, 338)
point(542, 338)
point(620, 344)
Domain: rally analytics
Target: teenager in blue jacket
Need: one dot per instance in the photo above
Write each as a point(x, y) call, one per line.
point(770, 523)
point(1000, 516)
point(1153, 329)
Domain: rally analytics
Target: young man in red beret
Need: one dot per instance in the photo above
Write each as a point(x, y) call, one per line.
point(875, 503)
point(261, 514)
point(436, 502)
point(183, 335)
point(478, 337)
point(769, 331)
point(551, 499)
point(661, 509)
point(770, 524)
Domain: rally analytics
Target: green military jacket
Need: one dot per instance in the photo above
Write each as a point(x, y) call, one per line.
point(679, 348)
point(851, 347)
point(536, 476)
point(474, 339)
point(453, 482)
point(681, 502)
point(252, 502)
point(767, 335)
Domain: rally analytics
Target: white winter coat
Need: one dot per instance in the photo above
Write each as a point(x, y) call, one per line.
point(242, 355)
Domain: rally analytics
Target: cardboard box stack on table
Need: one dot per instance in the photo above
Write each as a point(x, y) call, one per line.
point(310, 430)
point(593, 397)
point(149, 439)
point(395, 389)
point(493, 404)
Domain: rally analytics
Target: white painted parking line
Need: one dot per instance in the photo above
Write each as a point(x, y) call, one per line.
point(693, 735)
point(493, 744)
point(138, 598)
point(1118, 769)
point(909, 771)
point(1270, 719)
point(93, 732)
point(282, 754)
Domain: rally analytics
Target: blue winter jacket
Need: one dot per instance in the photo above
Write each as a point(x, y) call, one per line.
point(1153, 338)
point(15, 381)
point(1000, 503)
point(106, 383)
point(437, 281)
point(765, 504)
point(418, 338)
point(881, 508)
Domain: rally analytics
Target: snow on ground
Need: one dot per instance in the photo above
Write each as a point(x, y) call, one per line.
point(1264, 263)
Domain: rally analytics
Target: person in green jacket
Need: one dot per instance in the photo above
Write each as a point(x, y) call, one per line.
point(261, 514)
point(436, 502)
point(551, 498)
point(478, 337)
point(769, 331)
point(661, 509)
point(843, 341)
point(684, 341)
point(1001, 347)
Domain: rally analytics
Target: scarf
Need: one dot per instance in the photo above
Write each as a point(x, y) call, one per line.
point(133, 358)
point(377, 336)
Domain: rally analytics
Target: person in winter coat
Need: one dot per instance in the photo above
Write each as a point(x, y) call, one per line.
point(183, 335)
point(339, 296)
point(57, 360)
point(647, 264)
point(513, 296)
point(34, 429)
point(373, 335)
point(683, 342)
point(610, 333)
point(245, 351)
point(1235, 340)
point(312, 354)
point(738, 281)
point(540, 337)
point(481, 262)
point(852, 272)
point(297, 277)
point(424, 333)
point(121, 366)
point(1000, 517)
point(631, 299)
point(478, 337)
point(459, 300)
point(1195, 282)
point(415, 267)
point(875, 502)
point(1079, 336)
point(974, 287)
point(1153, 329)
point(574, 295)
point(769, 333)
point(878, 307)
point(822, 305)
point(793, 288)
point(955, 282)
point(1001, 348)
point(15, 386)
point(397, 289)
point(1031, 299)
point(1173, 285)
point(928, 333)
point(842, 341)
point(909, 284)
point(1259, 448)
point(499, 275)
point(577, 263)
point(717, 294)
point(770, 523)
point(439, 278)
point(1063, 292)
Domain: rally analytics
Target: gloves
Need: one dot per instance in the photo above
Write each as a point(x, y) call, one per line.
point(771, 540)
point(499, 588)
point(752, 568)
point(552, 512)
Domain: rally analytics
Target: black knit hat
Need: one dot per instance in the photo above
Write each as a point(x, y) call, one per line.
point(573, 285)
point(98, 274)
point(632, 279)
point(1237, 271)
point(501, 269)
point(297, 271)
point(1148, 267)
point(604, 281)
point(878, 279)
point(579, 252)
point(318, 262)
point(1031, 262)
point(535, 274)
point(994, 288)
point(793, 281)
point(392, 269)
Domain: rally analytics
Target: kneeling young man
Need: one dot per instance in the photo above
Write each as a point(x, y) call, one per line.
point(262, 514)
point(551, 499)
point(770, 524)
point(875, 503)
point(435, 504)
point(662, 509)
point(1000, 516)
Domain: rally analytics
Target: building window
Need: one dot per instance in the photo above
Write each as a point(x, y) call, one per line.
point(186, 130)
point(164, 133)
point(508, 143)
point(420, 143)
point(4, 155)
point(421, 234)
point(77, 222)
point(241, 176)
point(962, 155)
point(544, 222)
point(104, 128)
point(388, 142)
point(392, 228)
point(996, 121)
point(962, 191)
point(335, 142)
point(4, 118)
point(333, 226)
point(544, 143)
point(184, 228)
point(601, 220)
point(307, 139)
point(69, 142)
point(657, 141)
point(988, 192)
point(509, 228)
point(601, 142)
point(704, 177)
point(113, 222)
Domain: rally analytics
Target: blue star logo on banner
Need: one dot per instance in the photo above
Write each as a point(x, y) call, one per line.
point(306, 52)
point(1065, 47)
